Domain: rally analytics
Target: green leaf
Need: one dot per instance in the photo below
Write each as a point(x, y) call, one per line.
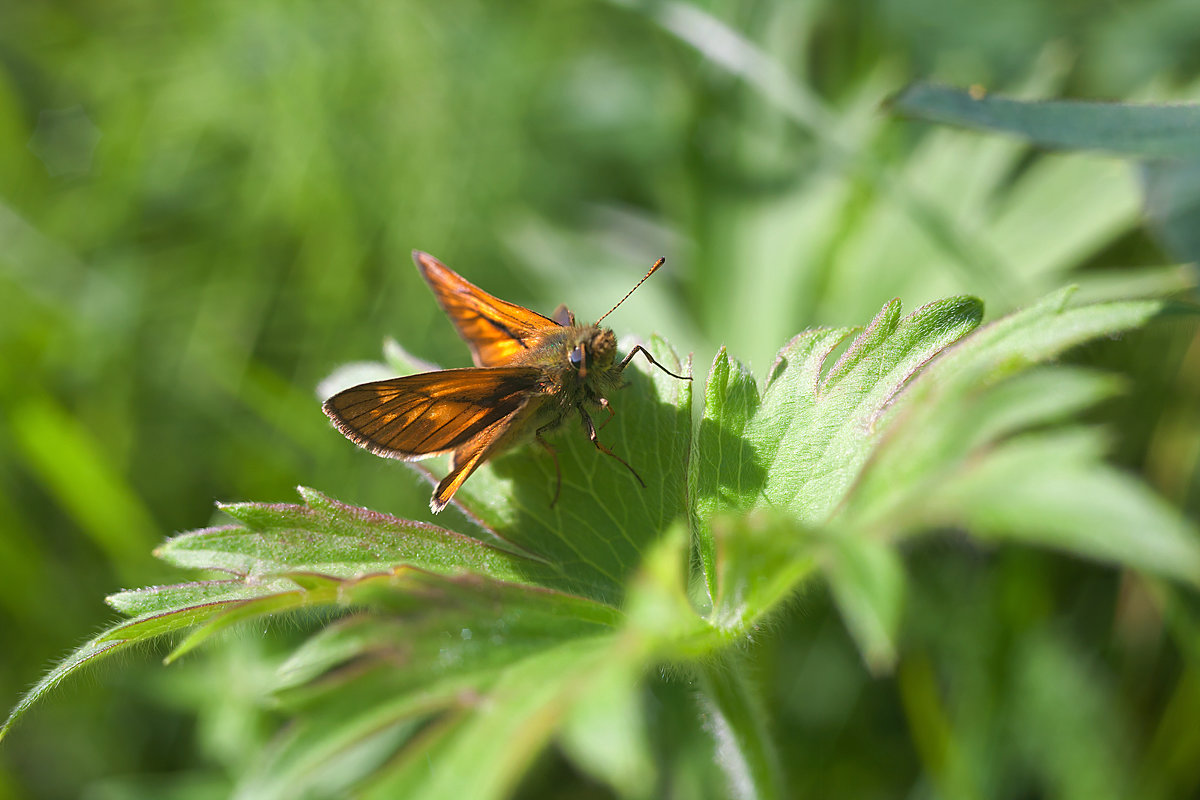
point(1165, 137)
point(868, 450)
point(723, 471)
point(1157, 131)
point(324, 553)
point(868, 584)
point(93, 650)
point(949, 455)
point(156, 598)
point(605, 732)
point(326, 751)
point(144, 628)
point(328, 537)
point(799, 448)
point(814, 434)
point(1074, 739)
point(1172, 190)
point(1052, 491)
point(420, 645)
point(760, 559)
point(482, 753)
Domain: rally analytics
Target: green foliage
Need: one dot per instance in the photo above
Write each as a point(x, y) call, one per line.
point(204, 208)
point(1122, 128)
point(470, 652)
point(1164, 138)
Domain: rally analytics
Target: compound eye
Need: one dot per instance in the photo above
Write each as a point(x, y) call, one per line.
point(576, 357)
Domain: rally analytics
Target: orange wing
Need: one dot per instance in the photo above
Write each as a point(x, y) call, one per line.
point(465, 460)
point(416, 416)
point(495, 331)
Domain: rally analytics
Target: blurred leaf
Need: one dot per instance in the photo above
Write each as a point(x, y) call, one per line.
point(75, 466)
point(1147, 131)
point(1172, 189)
point(868, 583)
point(483, 754)
point(605, 733)
point(736, 720)
point(1166, 138)
point(1072, 736)
point(1051, 491)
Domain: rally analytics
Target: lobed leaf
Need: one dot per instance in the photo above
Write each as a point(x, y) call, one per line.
point(814, 434)
point(870, 449)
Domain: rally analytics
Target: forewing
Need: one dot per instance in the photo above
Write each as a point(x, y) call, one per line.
point(435, 412)
point(495, 331)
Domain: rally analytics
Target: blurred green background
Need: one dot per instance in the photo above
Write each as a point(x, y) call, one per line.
point(207, 207)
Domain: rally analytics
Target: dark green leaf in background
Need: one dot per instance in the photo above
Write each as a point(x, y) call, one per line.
point(1164, 138)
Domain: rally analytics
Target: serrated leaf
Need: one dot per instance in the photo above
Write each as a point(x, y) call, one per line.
point(325, 536)
point(1054, 489)
point(119, 637)
point(439, 648)
point(97, 648)
point(469, 653)
point(867, 451)
point(154, 599)
point(814, 434)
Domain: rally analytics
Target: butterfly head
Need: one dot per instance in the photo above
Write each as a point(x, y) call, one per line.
point(592, 348)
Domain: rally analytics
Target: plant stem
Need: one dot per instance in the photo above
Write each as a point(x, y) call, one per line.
point(738, 723)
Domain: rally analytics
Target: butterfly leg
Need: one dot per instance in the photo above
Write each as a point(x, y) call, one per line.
point(591, 429)
point(603, 403)
point(537, 436)
point(639, 349)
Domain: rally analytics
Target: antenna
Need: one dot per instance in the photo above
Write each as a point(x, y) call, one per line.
point(653, 269)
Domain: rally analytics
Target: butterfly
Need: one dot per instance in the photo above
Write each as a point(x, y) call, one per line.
point(531, 373)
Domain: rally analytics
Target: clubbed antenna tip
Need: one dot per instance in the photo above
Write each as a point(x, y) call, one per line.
point(653, 269)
